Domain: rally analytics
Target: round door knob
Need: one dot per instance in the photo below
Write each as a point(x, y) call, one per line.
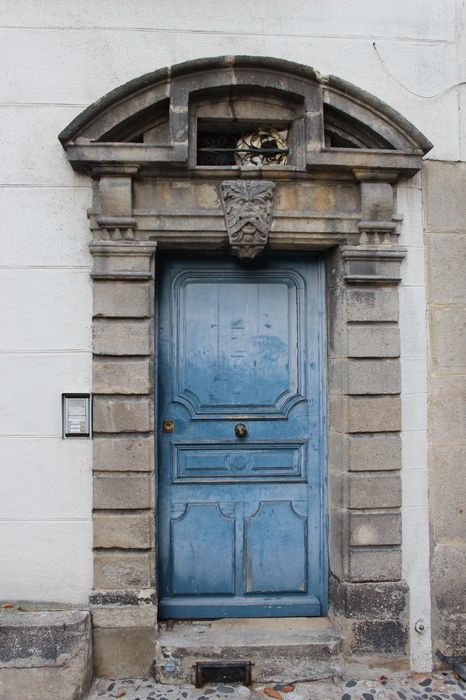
point(240, 430)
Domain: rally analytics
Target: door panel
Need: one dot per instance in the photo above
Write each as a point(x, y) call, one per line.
point(240, 518)
point(274, 531)
point(191, 556)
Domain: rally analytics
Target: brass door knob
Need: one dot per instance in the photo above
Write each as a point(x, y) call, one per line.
point(240, 430)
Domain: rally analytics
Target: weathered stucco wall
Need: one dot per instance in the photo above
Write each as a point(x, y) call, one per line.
point(57, 57)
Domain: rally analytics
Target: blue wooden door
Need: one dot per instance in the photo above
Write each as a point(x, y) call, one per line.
point(241, 524)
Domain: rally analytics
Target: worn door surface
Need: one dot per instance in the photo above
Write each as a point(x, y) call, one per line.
point(240, 475)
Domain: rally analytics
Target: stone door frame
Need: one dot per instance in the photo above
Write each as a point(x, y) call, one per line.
point(368, 600)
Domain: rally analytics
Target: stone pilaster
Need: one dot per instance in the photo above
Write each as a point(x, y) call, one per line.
point(123, 602)
point(367, 595)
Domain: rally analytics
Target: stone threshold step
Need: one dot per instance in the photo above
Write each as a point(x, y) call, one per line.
point(280, 649)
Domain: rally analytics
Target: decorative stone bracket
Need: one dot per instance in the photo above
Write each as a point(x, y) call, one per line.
point(377, 225)
point(248, 214)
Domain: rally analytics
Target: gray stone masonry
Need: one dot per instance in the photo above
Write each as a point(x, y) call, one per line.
point(364, 452)
point(44, 654)
point(445, 238)
point(123, 417)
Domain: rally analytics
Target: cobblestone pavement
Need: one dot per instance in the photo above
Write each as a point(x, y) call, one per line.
point(439, 686)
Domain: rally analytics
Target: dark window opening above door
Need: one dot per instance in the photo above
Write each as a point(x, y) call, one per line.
point(226, 143)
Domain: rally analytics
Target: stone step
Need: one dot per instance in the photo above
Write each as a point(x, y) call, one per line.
point(280, 649)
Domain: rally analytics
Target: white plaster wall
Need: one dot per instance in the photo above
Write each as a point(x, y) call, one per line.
point(57, 56)
point(413, 331)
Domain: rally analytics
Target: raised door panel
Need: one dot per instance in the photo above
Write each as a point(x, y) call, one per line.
point(236, 462)
point(202, 549)
point(275, 547)
point(236, 341)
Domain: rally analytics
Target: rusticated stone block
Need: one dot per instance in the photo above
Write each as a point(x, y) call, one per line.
point(124, 652)
point(122, 415)
point(447, 252)
point(113, 571)
point(367, 490)
point(374, 564)
point(365, 452)
point(121, 376)
point(450, 634)
point(448, 577)
point(447, 402)
point(447, 333)
point(111, 616)
point(361, 377)
point(447, 488)
point(122, 300)
point(374, 490)
point(379, 637)
point(385, 600)
point(123, 531)
point(122, 337)
point(373, 452)
point(115, 492)
point(375, 528)
point(123, 454)
point(364, 414)
point(445, 185)
point(371, 304)
point(373, 341)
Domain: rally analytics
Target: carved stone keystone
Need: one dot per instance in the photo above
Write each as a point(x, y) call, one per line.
point(248, 214)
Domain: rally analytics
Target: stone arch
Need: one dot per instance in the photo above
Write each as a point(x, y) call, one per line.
point(328, 105)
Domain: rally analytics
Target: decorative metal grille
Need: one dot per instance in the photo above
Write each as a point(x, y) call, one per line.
point(235, 146)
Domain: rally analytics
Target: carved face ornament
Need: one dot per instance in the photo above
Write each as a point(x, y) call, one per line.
point(248, 212)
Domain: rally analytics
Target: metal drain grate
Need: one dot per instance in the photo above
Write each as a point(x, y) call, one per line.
point(214, 672)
